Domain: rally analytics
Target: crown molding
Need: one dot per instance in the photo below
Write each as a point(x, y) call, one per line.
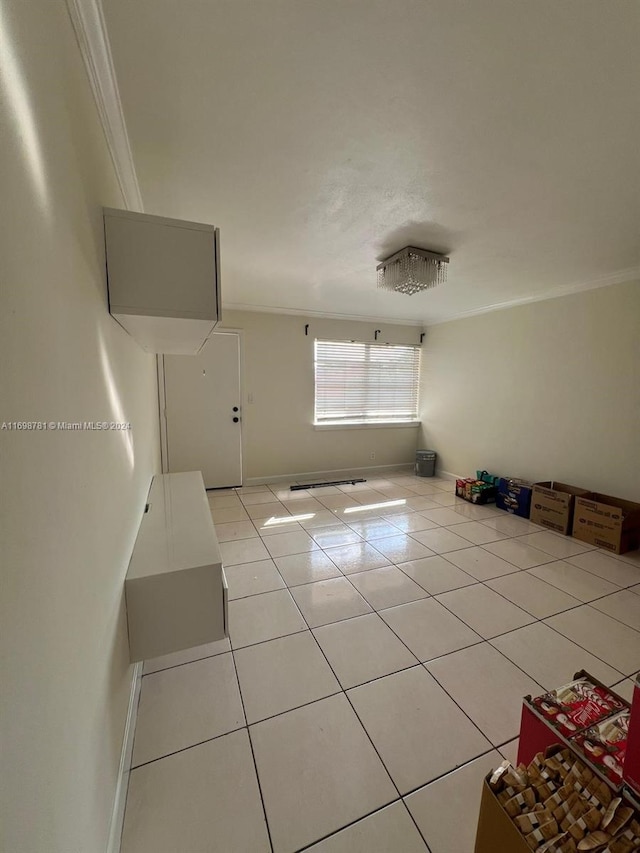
point(619, 277)
point(321, 315)
point(91, 33)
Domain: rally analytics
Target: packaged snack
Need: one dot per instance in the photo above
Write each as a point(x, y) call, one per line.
point(594, 841)
point(542, 834)
point(571, 807)
point(605, 745)
point(566, 845)
point(516, 778)
point(552, 845)
point(577, 706)
point(544, 789)
point(584, 825)
point(582, 813)
point(520, 803)
point(610, 812)
point(621, 845)
point(597, 793)
point(496, 779)
point(622, 816)
point(556, 766)
point(526, 823)
point(477, 491)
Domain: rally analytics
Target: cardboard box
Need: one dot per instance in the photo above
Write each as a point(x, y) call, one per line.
point(610, 523)
point(552, 505)
point(514, 496)
point(559, 714)
point(631, 774)
point(536, 734)
point(497, 833)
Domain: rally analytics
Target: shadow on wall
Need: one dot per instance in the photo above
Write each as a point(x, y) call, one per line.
point(422, 235)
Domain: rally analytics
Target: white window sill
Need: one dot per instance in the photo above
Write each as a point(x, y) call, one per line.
point(366, 425)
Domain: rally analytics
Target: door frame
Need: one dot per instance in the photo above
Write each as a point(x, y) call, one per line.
point(162, 402)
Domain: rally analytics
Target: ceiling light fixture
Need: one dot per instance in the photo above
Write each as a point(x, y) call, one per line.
point(412, 270)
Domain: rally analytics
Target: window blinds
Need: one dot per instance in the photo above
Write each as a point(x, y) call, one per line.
point(366, 383)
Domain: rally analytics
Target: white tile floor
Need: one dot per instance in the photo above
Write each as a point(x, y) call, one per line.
point(382, 638)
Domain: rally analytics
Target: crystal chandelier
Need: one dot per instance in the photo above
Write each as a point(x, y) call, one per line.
point(411, 270)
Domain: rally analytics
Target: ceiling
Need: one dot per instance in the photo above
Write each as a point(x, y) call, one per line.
point(324, 135)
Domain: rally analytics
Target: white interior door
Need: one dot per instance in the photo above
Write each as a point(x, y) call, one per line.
point(203, 411)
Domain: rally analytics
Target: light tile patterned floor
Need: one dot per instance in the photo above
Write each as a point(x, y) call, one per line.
point(382, 637)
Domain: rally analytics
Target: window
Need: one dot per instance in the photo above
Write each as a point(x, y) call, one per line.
point(366, 383)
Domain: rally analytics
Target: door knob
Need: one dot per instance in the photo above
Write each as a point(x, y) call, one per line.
point(235, 420)
point(235, 409)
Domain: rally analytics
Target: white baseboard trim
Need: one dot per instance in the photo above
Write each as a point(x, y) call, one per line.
point(447, 475)
point(337, 474)
point(117, 815)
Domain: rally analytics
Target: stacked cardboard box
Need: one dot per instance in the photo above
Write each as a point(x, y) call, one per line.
point(608, 522)
point(552, 505)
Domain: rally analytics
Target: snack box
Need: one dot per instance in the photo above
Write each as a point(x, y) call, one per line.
point(605, 745)
point(496, 831)
point(632, 763)
point(559, 714)
point(577, 705)
point(503, 830)
point(514, 496)
point(475, 491)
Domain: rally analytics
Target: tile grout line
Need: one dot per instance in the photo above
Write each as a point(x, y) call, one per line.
point(340, 692)
point(346, 695)
point(377, 612)
point(344, 692)
point(475, 582)
point(253, 755)
point(190, 746)
point(420, 663)
point(513, 630)
point(443, 555)
point(481, 639)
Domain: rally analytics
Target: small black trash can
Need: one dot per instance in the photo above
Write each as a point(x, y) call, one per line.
point(425, 463)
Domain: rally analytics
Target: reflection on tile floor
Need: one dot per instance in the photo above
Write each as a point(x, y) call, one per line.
point(382, 637)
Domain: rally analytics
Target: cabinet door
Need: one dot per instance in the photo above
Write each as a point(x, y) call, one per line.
point(203, 412)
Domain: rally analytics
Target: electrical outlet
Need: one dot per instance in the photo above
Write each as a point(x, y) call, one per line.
point(372, 455)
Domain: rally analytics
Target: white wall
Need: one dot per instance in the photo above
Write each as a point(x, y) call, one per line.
point(549, 390)
point(70, 501)
point(278, 433)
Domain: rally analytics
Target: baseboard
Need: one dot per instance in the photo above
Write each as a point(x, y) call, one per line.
point(447, 475)
point(336, 474)
point(117, 815)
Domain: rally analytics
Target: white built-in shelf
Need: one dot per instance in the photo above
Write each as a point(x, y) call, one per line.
point(164, 279)
point(175, 587)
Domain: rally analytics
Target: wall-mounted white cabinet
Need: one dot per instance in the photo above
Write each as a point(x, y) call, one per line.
point(175, 587)
point(164, 280)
